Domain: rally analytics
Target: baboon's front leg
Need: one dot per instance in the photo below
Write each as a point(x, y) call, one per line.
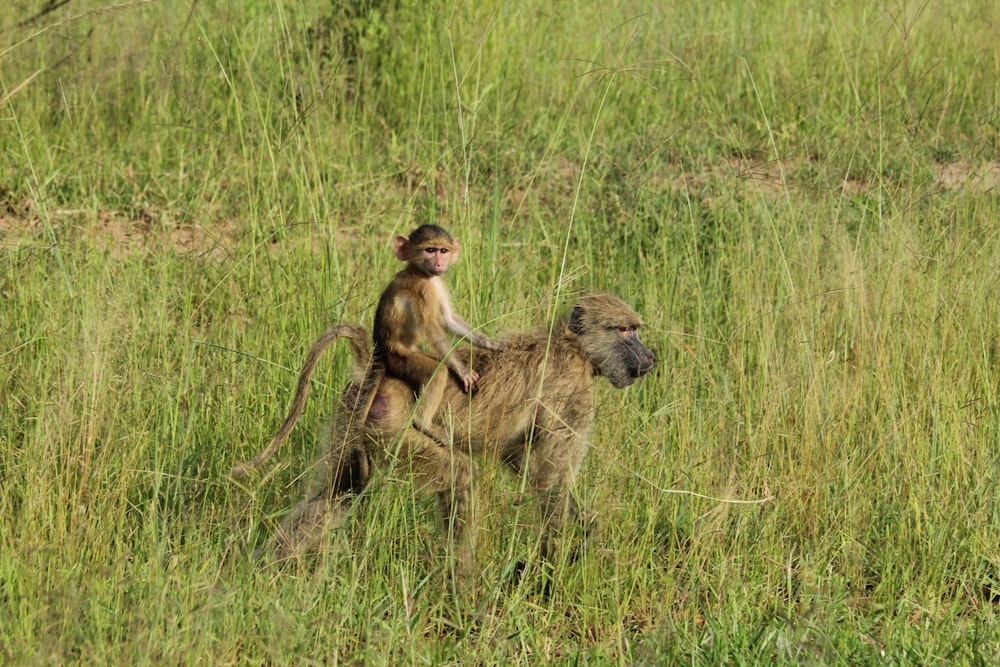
point(553, 463)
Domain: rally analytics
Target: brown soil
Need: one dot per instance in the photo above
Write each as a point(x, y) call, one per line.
point(119, 234)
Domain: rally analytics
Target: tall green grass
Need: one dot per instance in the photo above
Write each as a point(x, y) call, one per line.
point(800, 200)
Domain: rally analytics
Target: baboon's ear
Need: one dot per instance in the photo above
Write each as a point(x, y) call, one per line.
point(576, 320)
point(403, 248)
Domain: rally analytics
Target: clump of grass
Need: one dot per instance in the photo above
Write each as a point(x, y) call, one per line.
point(798, 200)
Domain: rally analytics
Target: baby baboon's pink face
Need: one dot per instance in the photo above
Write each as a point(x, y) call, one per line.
point(434, 261)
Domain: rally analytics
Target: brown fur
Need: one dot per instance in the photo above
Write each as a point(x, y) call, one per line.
point(533, 412)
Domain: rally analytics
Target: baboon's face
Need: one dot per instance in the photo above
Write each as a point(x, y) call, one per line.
point(635, 359)
point(608, 330)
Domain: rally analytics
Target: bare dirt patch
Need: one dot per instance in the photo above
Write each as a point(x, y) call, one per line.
point(961, 174)
point(120, 234)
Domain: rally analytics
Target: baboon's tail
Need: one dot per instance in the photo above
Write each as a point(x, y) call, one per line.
point(361, 354)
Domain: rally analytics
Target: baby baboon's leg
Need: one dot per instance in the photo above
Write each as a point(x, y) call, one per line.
point(428, 404)
point(431, 376)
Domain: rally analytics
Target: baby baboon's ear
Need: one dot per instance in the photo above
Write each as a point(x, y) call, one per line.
point(403, 248)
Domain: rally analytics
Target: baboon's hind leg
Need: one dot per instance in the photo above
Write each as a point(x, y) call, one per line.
point(304, 528)
point(448, 474)
point(342, 471)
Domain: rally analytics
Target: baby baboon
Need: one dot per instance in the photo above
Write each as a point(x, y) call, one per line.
point(534, 410)
point(416, 308)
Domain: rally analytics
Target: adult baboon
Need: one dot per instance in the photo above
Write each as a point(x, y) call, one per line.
point(533, 411)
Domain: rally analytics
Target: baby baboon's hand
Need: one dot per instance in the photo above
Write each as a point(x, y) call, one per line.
point(470, 381)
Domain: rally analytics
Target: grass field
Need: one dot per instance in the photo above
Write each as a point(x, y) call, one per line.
point(800, 198)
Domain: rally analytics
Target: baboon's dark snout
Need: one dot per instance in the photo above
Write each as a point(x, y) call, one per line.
point(644, 362)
